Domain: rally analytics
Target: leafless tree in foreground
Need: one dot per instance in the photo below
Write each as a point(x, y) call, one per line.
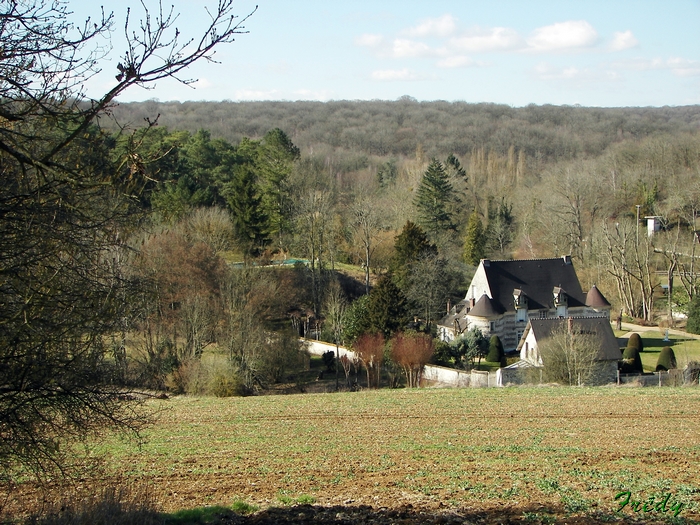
point(66, 208)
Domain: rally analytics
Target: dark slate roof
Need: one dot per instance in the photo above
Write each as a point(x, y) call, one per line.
point(596, 299)
point(485, 307)
point(457, 312)
point(600, 326)
point(537, 278)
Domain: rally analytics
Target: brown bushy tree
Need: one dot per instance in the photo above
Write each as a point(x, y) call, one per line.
point(369, 349)
point(412, 351)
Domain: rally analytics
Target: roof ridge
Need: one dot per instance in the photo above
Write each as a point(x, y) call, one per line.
point(533, 259)
point(570, 317)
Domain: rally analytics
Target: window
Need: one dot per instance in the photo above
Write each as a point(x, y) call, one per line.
point(492, 326)
point(543, 314)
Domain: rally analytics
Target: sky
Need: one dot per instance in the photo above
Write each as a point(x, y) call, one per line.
point(608, 53)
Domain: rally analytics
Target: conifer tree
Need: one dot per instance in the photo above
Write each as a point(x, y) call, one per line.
point(410, 245)
point(475, 240)
point(387, 307)
point(433, 198)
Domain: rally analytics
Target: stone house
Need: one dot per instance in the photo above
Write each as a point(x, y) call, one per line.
point(505, 295)
point(598, 328)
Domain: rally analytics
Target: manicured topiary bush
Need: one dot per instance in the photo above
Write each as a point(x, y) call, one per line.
point(495, 350)
point(667, 359)
point(635, 341)
point(631, 361)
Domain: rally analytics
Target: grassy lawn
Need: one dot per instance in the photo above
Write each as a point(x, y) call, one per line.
point(686, 348)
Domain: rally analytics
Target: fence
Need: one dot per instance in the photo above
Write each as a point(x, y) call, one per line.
point(440, 375)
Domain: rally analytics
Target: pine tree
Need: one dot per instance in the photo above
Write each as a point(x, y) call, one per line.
point(475, 240)
point(433, 198)
point(242, 197)
point(410, 245)
point(387, 307)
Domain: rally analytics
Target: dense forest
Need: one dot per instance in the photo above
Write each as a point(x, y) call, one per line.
point(481, 180)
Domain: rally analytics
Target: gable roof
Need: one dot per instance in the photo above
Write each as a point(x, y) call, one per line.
point(598, 326)
point(537, 278)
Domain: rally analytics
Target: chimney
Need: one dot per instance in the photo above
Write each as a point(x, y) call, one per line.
point(449, 306)
point(472, 301)
point(570, 324)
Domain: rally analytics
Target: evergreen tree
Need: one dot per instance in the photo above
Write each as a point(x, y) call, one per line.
point(410, 245)
point(243, 199)
point(475, 240)
point(667, 359)
point(693, 325)
point(275, 157)
point(433, 198)
point(635, 341)
point(387, 308)
point(496, 352)
point(632, 361)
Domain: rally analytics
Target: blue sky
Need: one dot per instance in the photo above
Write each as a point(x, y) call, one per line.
point(589, 52)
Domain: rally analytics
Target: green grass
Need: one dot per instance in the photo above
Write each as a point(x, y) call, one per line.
point(685, 348)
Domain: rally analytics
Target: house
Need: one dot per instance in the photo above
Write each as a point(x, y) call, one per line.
point(504, 295)
point(598, 328)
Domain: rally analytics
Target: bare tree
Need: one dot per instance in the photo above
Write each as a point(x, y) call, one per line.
point(629, 262)
point(367, 225)
point(569, 356)
point(66, 212)
point(335, 315)
point(212, 226)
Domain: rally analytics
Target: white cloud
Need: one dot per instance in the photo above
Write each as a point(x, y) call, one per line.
point(441, 27)
point(545, 71)
point(403, 48)
point(492, 39)
point(396, 74)
point(562, 36)
point(251, 94)
point(456, 61)
point(202, 83)
point(369, 40)
point(683, 67)
point(623, 40)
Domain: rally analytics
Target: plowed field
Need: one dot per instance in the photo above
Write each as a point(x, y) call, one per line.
point(535, 455)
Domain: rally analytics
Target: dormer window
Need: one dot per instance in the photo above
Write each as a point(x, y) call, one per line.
point(561, 301)
point(519, 299)
point(560, 297)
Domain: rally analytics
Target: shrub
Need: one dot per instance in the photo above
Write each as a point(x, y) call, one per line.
point(496, 352)
point(693, 324)
point(635, 341)
point(631, 361)
point(225, 383)
point(329, 360)
point(667, 359)
point(443, 354)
